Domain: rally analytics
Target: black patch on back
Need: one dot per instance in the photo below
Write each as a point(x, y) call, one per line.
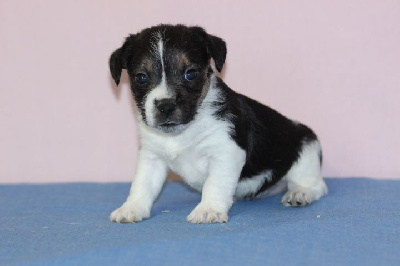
point(271, 141)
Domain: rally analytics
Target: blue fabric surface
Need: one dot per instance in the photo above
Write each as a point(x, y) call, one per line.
point(358, 223)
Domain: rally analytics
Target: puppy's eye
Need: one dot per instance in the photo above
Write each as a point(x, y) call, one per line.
point(191, 74)
point(141, 78)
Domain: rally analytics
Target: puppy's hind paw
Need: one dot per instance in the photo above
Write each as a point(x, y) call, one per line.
point(207, 214)
point(297, 198)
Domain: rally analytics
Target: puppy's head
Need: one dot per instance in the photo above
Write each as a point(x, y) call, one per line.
point(169, 71)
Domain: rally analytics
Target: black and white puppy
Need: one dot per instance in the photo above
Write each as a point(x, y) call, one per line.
point(220, 142)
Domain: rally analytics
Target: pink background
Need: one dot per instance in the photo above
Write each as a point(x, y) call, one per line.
point(334, 65)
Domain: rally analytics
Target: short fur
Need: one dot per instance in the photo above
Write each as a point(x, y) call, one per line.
point(222, 143)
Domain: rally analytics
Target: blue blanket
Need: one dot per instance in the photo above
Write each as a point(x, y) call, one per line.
point(358, 223)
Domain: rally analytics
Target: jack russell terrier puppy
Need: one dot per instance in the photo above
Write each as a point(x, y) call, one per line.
point(222, 143)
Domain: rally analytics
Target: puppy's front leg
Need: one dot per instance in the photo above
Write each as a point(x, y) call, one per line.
point(217, 192)
point(149, 179)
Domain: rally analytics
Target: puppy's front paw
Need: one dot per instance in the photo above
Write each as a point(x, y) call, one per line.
point(296, 198)
point(128, 213)
point(205, 213)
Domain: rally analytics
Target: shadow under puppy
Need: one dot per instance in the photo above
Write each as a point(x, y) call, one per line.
point(220, 142)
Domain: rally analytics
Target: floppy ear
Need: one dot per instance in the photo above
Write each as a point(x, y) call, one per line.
point(118, 60)
point(217, 49)
point(116, 64)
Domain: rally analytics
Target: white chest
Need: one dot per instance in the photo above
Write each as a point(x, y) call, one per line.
point(190, 160)
point(190, 153)
point(192, 166)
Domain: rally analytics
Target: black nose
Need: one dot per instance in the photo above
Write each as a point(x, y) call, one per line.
point(166, 106)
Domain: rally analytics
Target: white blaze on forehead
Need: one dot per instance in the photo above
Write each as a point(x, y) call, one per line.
point(161, 90)
point(160, 46)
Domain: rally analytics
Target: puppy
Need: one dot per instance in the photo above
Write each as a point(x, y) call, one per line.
point(222, 143)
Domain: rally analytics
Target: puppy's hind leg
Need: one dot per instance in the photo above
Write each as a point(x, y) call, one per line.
point(305, 183)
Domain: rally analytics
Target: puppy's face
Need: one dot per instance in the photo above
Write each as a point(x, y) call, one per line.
point(169, 71)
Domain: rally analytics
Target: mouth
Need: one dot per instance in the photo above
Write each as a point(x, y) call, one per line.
point(169, 124)
point(170, 127)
